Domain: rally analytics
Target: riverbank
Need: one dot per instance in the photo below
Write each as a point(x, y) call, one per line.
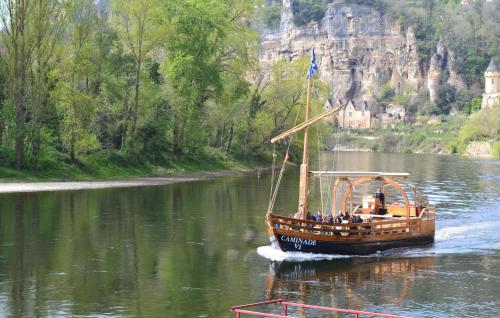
point(94, 172)
point(474, 136)
point(15, 187)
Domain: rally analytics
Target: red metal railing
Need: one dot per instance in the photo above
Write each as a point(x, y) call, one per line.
point(243, 309)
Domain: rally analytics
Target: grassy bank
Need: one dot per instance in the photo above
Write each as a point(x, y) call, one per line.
point(438, 135)
point(107, 166)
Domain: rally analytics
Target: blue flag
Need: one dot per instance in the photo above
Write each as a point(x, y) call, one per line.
point(314, 67)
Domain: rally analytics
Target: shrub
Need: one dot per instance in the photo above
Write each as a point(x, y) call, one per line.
point(272, 16)
point(417, 138)
point(453, 147)
point(496, 149)
point(305, 11)
point(375, 147)
point(385, 92)
point(483, 125)
point(445, 97)
point(6, 156)
point(390, 142)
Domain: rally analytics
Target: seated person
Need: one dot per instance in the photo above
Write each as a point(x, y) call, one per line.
point(310, 217)
point(339, 218)
point(329, 219)
point(319, 216)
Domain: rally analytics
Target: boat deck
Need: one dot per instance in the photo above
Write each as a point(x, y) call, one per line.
point(372, 226)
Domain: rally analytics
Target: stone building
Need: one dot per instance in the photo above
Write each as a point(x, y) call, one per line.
point(355, 115)
point(491, 94)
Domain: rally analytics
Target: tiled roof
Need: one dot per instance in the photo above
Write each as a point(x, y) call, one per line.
point(493, 66)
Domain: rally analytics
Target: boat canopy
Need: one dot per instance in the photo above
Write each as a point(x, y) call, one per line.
point(347, 174)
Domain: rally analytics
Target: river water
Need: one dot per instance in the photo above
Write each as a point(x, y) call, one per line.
point(194, 249)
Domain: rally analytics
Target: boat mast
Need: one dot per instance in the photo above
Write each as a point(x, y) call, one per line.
point(304, 168)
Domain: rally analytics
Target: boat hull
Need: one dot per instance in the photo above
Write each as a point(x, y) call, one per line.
point(295, 243)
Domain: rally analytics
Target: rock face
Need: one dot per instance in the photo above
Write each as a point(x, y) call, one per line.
point(442, 61)
point(358, 50)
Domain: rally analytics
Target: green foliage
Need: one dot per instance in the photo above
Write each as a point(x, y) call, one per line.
point(390, 142)
point(272, 15)
point(385, 93)
point(156, 81)
point(472, 106)
point(453, 147)
point(445, 97)
point(496, 149)
point(473, 65)
point(483, 125)
point(417, 137)
point(305, 11)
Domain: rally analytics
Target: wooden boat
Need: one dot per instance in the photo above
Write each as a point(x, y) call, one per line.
point(365, 227)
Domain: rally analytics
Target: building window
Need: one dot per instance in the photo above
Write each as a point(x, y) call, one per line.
point(350, 114)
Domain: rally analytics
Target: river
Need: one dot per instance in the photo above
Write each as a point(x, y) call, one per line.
point(194, 249)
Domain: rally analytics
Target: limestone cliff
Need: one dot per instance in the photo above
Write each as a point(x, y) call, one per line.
point(359, 49)
point(443, 61)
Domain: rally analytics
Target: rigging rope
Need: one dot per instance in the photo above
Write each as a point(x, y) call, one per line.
point(318, 131)
point(272, 199)
point(319, 168)
point(272, 172)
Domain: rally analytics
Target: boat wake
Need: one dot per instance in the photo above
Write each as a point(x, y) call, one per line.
point(278, 255)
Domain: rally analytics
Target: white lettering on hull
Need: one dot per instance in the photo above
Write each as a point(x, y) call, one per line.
point(298, 241)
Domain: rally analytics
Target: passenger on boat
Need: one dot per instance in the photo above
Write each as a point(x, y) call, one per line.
point(355, 219)
point(380, 195)
point(310, 217)
point(330, 219)
point(319, 216)
point(339, 218)
point(289, 222)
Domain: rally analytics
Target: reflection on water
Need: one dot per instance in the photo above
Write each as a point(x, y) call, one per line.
point(340, 282)
point(190, 249)
point(416, 286)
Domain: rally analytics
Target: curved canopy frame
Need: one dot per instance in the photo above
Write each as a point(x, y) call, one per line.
point(338, 181)
point(348, 192)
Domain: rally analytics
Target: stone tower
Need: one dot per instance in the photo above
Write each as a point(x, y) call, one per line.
point(491, 94)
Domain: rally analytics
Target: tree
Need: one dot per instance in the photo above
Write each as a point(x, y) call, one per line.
point(17, 37)
point(192, 69)
point(138, 24)
point(72, 93)
point(285, 98)
point(48, 20)
point(446, 95)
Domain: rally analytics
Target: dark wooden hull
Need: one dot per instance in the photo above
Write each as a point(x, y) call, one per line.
point(294, 242)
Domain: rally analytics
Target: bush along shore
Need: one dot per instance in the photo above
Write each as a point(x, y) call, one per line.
point(477, 135)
